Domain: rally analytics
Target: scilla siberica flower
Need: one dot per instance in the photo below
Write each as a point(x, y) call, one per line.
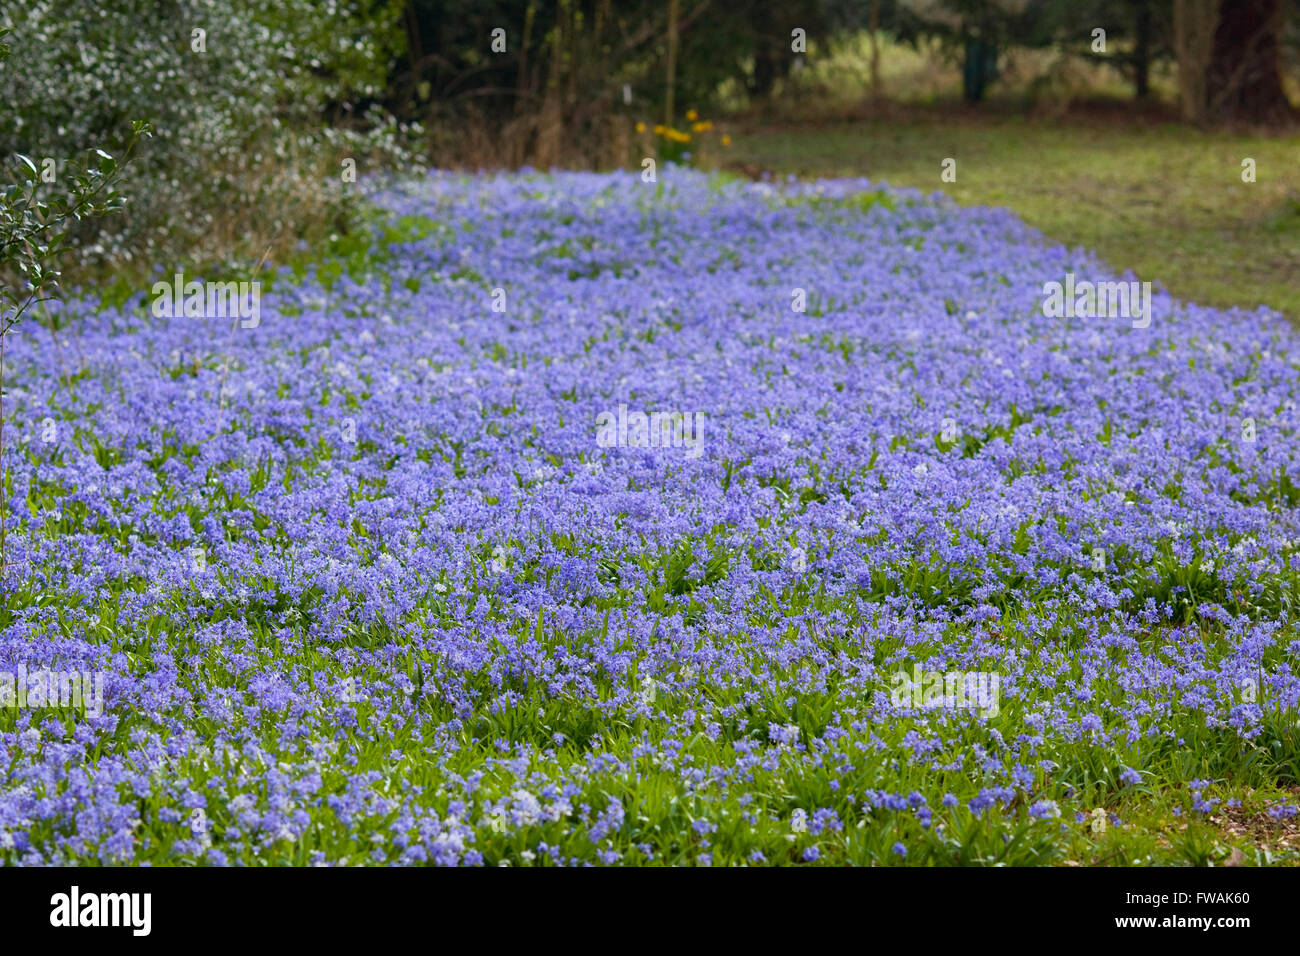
point(433, 590)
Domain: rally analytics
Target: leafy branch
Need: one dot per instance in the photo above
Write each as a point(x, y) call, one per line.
point(36, 227)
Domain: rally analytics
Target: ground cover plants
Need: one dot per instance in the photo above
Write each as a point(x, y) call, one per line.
point(575, 518)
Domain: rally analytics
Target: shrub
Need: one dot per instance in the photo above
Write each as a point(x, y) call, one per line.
point(255, 107)
point(36, 219)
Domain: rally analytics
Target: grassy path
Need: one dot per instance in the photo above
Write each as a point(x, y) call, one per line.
point(1148, 194)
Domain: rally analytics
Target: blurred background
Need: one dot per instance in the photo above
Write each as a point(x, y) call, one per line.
point(1120, 125)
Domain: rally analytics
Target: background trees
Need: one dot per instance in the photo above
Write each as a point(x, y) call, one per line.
point(1233, 50)
point(256, 105)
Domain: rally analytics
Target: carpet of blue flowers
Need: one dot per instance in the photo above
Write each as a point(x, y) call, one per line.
point(366, 588)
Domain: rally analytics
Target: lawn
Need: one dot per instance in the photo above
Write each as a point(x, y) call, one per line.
point(1143, 191)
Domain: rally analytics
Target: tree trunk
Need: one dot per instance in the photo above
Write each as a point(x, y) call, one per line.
point(550, 120)
point(1194, 27)
point(1142, 51)
point(571, 61)
point(522, 87)
point(980, 69)
point(1243, 81)
point(875, 49)
point(765, 71)
point(672, 63)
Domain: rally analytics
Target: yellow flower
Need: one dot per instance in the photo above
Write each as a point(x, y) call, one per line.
point(702, 127)
point(692, 116)
point(659, 129)
point(726, 140)
point(640, 127)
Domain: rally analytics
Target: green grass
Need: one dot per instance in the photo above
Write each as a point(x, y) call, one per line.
point(1102, 820)
point(1147, 193)
point(1147, 822)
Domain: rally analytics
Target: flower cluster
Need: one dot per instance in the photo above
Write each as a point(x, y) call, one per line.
point(673, 142)
point(365, 587)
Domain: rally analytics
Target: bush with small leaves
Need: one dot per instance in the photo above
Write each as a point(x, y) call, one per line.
point(255, 106)
point(36, 219)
